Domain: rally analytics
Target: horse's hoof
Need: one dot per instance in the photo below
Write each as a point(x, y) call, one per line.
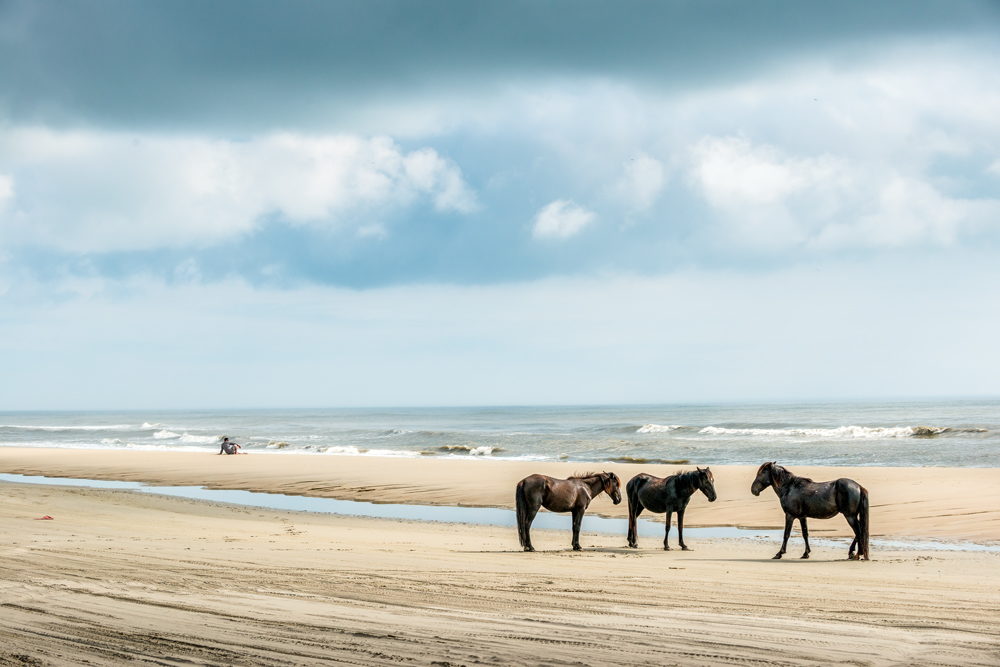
point(666, 548)
point(577, 547)
point(805, 555)
point(529, 548)
point(777, 556)
point(633, 546)
point(683, 548)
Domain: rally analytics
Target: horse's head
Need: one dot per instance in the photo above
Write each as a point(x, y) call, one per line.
point(612, 486)
point(763, 479)
point(706, 482)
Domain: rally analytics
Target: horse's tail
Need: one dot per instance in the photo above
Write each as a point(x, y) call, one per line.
point(632, 489)
point(863, 524)
point(521, 501)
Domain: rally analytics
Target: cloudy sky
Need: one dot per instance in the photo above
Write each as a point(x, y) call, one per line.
point(259, 204)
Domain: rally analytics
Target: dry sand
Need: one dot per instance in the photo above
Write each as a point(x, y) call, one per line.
point(126, 577)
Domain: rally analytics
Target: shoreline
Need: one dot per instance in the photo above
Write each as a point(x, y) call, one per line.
point(910, 503)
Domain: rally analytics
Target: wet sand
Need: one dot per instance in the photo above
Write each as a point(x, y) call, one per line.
point(945, 503)
point(119, 576)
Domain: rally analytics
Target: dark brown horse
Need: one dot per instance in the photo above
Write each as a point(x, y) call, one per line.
point(561, 495)
point(803, 498)
point(668, 494)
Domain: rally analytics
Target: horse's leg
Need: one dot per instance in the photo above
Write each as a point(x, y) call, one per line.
point(853, 522)
point(634, 510)
point(680, 529)
point(577, 520)
point(805, 536)
point(666, 535)
point(529, 515)
point(788, 531)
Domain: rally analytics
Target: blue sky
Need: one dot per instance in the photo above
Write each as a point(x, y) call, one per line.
point(375, 203)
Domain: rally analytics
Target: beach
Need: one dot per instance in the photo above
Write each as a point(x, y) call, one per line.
point(121, 576)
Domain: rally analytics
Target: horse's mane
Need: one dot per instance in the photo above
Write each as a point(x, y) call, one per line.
point(781, 473)
point(584, 475)
point(682, 473)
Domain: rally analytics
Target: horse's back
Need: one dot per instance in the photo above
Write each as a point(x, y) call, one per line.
point(656, 493)
point(641, 480)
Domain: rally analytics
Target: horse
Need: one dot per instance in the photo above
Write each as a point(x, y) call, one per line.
point(669, 494)
point(561, 495)
point(803, 498)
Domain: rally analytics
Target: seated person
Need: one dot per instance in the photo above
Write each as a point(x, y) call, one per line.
point(229, 447)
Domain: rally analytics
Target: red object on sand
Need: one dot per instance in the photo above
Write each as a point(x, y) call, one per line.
point(44, 518)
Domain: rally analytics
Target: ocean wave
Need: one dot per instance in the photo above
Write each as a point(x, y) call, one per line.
point(149, 426)
point(392, 432)
point(639, 459)
point(278, 444)
point(200, 439)
point(350, 450)
point(78, 427)
point(658, 428)
point(482, 450)
point(842, 432)
point(186, 437)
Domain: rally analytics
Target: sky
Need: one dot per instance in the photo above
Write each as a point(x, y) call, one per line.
point(373, 203)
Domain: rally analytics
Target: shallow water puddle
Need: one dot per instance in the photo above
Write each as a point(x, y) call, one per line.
point(487, 516)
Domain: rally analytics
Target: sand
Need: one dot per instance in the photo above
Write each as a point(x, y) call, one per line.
point(120, 576)
point(950, 503)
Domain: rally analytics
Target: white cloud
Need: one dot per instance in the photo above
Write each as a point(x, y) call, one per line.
point(561, 219)
point(766, 197)
point(906, 212)
point(89, 191)
point(641, 182)
point(6, 192)
point(732, 173)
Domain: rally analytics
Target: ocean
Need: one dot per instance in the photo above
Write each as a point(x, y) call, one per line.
point(925, 433)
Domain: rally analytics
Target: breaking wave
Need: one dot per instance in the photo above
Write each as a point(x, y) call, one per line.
point(186, 437)
point(640, 459)
point(842, 432)
point(349, 450)
point(482, 450)
point(658, 428)
point(200, 439)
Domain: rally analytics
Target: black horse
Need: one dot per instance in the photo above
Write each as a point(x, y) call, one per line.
point(561, 495)
point(670, 494)
point(803, 498)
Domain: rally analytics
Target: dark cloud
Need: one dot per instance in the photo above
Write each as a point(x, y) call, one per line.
point(244, 65)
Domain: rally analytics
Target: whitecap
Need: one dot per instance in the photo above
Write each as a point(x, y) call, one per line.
point(200, 439)
point(658, 428)
point(166, 435)
point(839, 432)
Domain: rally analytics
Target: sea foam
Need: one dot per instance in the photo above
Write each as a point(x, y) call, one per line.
point(839, 432)
point(658, 428)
